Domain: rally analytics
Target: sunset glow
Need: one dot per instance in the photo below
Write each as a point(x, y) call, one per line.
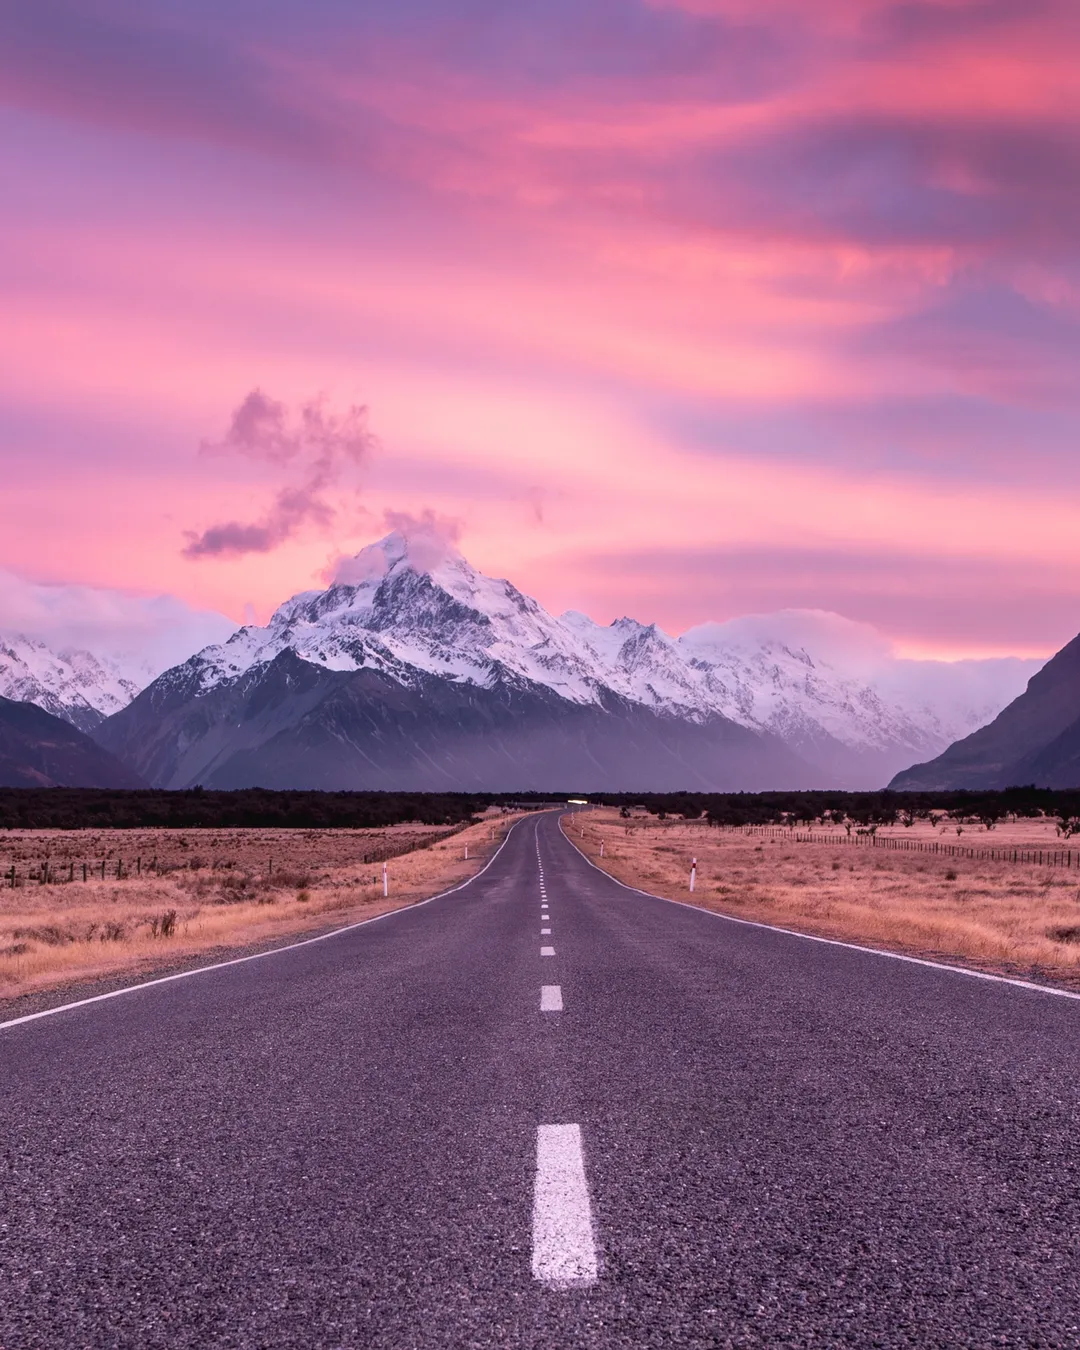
point(679, 309)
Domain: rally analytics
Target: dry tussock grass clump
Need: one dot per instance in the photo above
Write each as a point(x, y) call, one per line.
point(1013, 919)
point(60, 932)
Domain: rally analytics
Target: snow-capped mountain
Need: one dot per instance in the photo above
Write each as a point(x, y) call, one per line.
point(73, 684)
point(832, 689)
point(418, 629)
point(448, 620)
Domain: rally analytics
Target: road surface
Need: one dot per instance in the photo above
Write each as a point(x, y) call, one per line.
point(544, 1111)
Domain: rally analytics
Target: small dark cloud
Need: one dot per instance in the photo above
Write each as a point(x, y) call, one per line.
point(318, 447)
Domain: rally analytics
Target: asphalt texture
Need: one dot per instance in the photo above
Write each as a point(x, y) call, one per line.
point(785, 1143)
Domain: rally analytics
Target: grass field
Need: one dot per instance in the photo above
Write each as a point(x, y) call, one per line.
point(1019, 920)
point(183, 893)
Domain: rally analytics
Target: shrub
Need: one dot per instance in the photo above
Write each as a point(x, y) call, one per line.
point(238, 887)
point(164, 925)
point(51, 934)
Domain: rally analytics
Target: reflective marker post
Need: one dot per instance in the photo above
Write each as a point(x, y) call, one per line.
point(693, 872)
point(385, 881)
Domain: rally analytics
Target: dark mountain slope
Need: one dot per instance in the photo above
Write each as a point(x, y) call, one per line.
point(290, 723)
point(40, 750)
point(1036, 739)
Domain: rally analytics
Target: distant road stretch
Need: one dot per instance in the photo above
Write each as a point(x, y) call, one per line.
point(545, 1111)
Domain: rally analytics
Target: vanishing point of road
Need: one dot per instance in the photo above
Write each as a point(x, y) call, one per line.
point(545, 1111)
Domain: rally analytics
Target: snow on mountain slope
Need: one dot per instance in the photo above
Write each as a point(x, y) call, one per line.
point(81, 688)
point(449, 620)
point(829, 687)
point(801, 667)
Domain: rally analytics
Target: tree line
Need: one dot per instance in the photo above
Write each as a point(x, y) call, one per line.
point(263, 808)
point(252, 808)
point(861, 808)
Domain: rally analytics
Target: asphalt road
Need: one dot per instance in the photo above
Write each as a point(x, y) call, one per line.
point(370, 1141)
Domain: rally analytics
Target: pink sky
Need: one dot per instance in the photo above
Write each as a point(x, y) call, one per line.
point(682, 310)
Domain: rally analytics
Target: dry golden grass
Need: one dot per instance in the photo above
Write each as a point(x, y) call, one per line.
point(1011, 919)
point(213, 890)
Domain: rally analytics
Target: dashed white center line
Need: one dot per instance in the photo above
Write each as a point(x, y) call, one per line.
point(547, 951)
point(564, 1247)
point(545, 932)
point(551, 998)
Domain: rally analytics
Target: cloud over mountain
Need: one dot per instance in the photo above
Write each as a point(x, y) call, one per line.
point(155, 631)
point(316, 448)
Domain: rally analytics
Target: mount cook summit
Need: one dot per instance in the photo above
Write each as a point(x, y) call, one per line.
point(413, 671)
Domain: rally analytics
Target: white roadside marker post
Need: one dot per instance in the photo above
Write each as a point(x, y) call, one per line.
point(601, 848)
point(385, 881)
point(466, 853)
point(693, 872)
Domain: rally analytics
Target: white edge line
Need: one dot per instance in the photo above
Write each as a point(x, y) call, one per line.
point(828, 942)
point(257, 956)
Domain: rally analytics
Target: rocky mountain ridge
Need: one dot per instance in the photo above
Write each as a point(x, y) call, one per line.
point(76, 685)
point(1034, 740)
point(40, 750)
point(429, 633)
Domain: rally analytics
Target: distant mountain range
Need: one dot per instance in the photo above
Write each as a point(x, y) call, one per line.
point(1036, 739)
point(73, 684)
point(415, 671)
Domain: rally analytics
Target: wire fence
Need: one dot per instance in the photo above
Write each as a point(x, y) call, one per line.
point(54, 872)
point(864, 838)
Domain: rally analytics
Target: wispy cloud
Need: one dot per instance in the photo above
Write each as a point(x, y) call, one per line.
point(316, 446)
point(150, 631)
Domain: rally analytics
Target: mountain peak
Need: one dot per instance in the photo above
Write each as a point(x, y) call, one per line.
point(424, 551)
point(409, 606)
